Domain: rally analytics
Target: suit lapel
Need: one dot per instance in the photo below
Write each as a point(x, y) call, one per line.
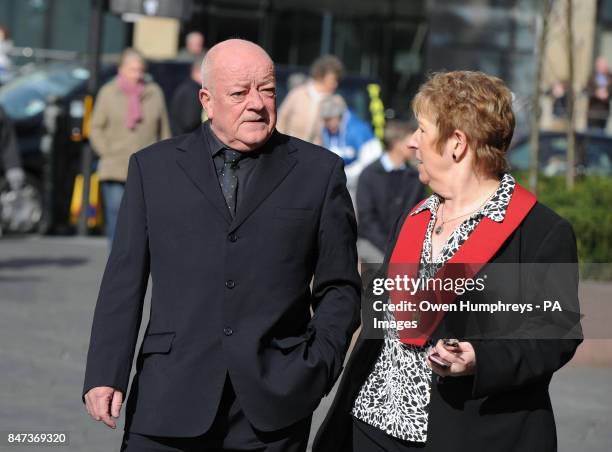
point(195, 160)
point(488, 237)
point(273, 165)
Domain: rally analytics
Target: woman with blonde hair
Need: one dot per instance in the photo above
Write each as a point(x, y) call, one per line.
point(462, 381)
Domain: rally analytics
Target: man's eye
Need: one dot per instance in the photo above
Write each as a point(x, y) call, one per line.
point(237, 94)
point(269, 91)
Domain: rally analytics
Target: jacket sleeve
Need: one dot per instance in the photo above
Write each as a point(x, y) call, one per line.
point(503, 365)
point(179, 123)
point(285, 112)
point(164, 122)
point(368, 152)
point(370, 226)
point(118, 310)
point(336, 284)
point(99, 124)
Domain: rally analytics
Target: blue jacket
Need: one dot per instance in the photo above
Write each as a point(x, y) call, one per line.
point(352, 135)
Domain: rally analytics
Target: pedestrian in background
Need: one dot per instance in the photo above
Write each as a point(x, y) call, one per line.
point(185, 108)
point(6, 64)
point(9, 151)
point(386, 188)
point(298, 115)
point(129, 114)
point(558, 92)
point(599, 88)
point(296, 79)
point(194, 46)
point(10, 161)
point(348, 136)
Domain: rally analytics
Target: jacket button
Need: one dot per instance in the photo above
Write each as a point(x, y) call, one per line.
point(232, 238)
point(228, 331)
point(230, 284)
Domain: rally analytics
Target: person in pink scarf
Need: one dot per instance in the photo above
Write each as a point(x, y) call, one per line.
point(129, 114)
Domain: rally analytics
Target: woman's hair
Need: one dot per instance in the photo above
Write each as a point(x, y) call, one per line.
point(479, 105)
point(326, 64)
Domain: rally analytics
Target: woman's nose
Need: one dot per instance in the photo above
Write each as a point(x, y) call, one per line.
point(412, 141)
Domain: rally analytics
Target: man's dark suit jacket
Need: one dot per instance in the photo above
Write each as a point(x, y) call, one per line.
point(229, 295)
point(505, 406)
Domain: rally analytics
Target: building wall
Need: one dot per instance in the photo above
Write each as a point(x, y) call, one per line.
point(493, 36)
point(555, 57)
point(58, 25)
point(382, 39)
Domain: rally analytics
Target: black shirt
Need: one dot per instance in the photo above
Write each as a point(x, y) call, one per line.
point(245, 165)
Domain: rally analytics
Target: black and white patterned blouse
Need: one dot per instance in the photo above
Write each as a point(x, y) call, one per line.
point(395, 397)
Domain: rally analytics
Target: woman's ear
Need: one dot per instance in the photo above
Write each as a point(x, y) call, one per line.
point(459, 145)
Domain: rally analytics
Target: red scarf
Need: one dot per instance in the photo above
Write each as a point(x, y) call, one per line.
point(476, 251)
point(133, 93)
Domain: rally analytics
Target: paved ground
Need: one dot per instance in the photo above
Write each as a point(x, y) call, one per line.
point(48, 289)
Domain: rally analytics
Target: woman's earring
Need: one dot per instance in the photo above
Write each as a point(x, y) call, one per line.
point(454, 157)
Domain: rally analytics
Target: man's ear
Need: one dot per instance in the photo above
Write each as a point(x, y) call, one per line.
point(207, 102)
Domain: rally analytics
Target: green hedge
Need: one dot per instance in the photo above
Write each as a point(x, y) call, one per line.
point(589, 209)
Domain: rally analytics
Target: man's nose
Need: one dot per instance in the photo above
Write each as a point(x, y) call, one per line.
point(255, 101)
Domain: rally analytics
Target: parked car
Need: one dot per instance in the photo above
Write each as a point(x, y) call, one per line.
point(25, 99)
point(50, 180)
point(593, 153)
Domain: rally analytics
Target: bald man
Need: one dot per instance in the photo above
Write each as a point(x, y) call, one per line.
point(233, 223)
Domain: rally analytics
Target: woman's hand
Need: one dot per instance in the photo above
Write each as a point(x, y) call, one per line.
point(462, 359)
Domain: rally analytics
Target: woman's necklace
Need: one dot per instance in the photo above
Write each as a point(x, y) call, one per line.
point(440, 228)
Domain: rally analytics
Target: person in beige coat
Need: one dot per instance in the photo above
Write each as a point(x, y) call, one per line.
point(129, 114)
point(298, 115)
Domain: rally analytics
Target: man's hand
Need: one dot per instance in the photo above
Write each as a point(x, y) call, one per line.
point(462, 359)
point(102, 403)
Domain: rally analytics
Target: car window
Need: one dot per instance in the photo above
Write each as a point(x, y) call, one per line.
point(599, 157)
point(26, 96)
point(552, 155)
point(519, 156)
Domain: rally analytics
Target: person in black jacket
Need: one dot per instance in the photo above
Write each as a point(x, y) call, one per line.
point(9, 151)
point(239, 251)
point(386, 188)
point(10, 160)
point(186, 112)
point(455, 378)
